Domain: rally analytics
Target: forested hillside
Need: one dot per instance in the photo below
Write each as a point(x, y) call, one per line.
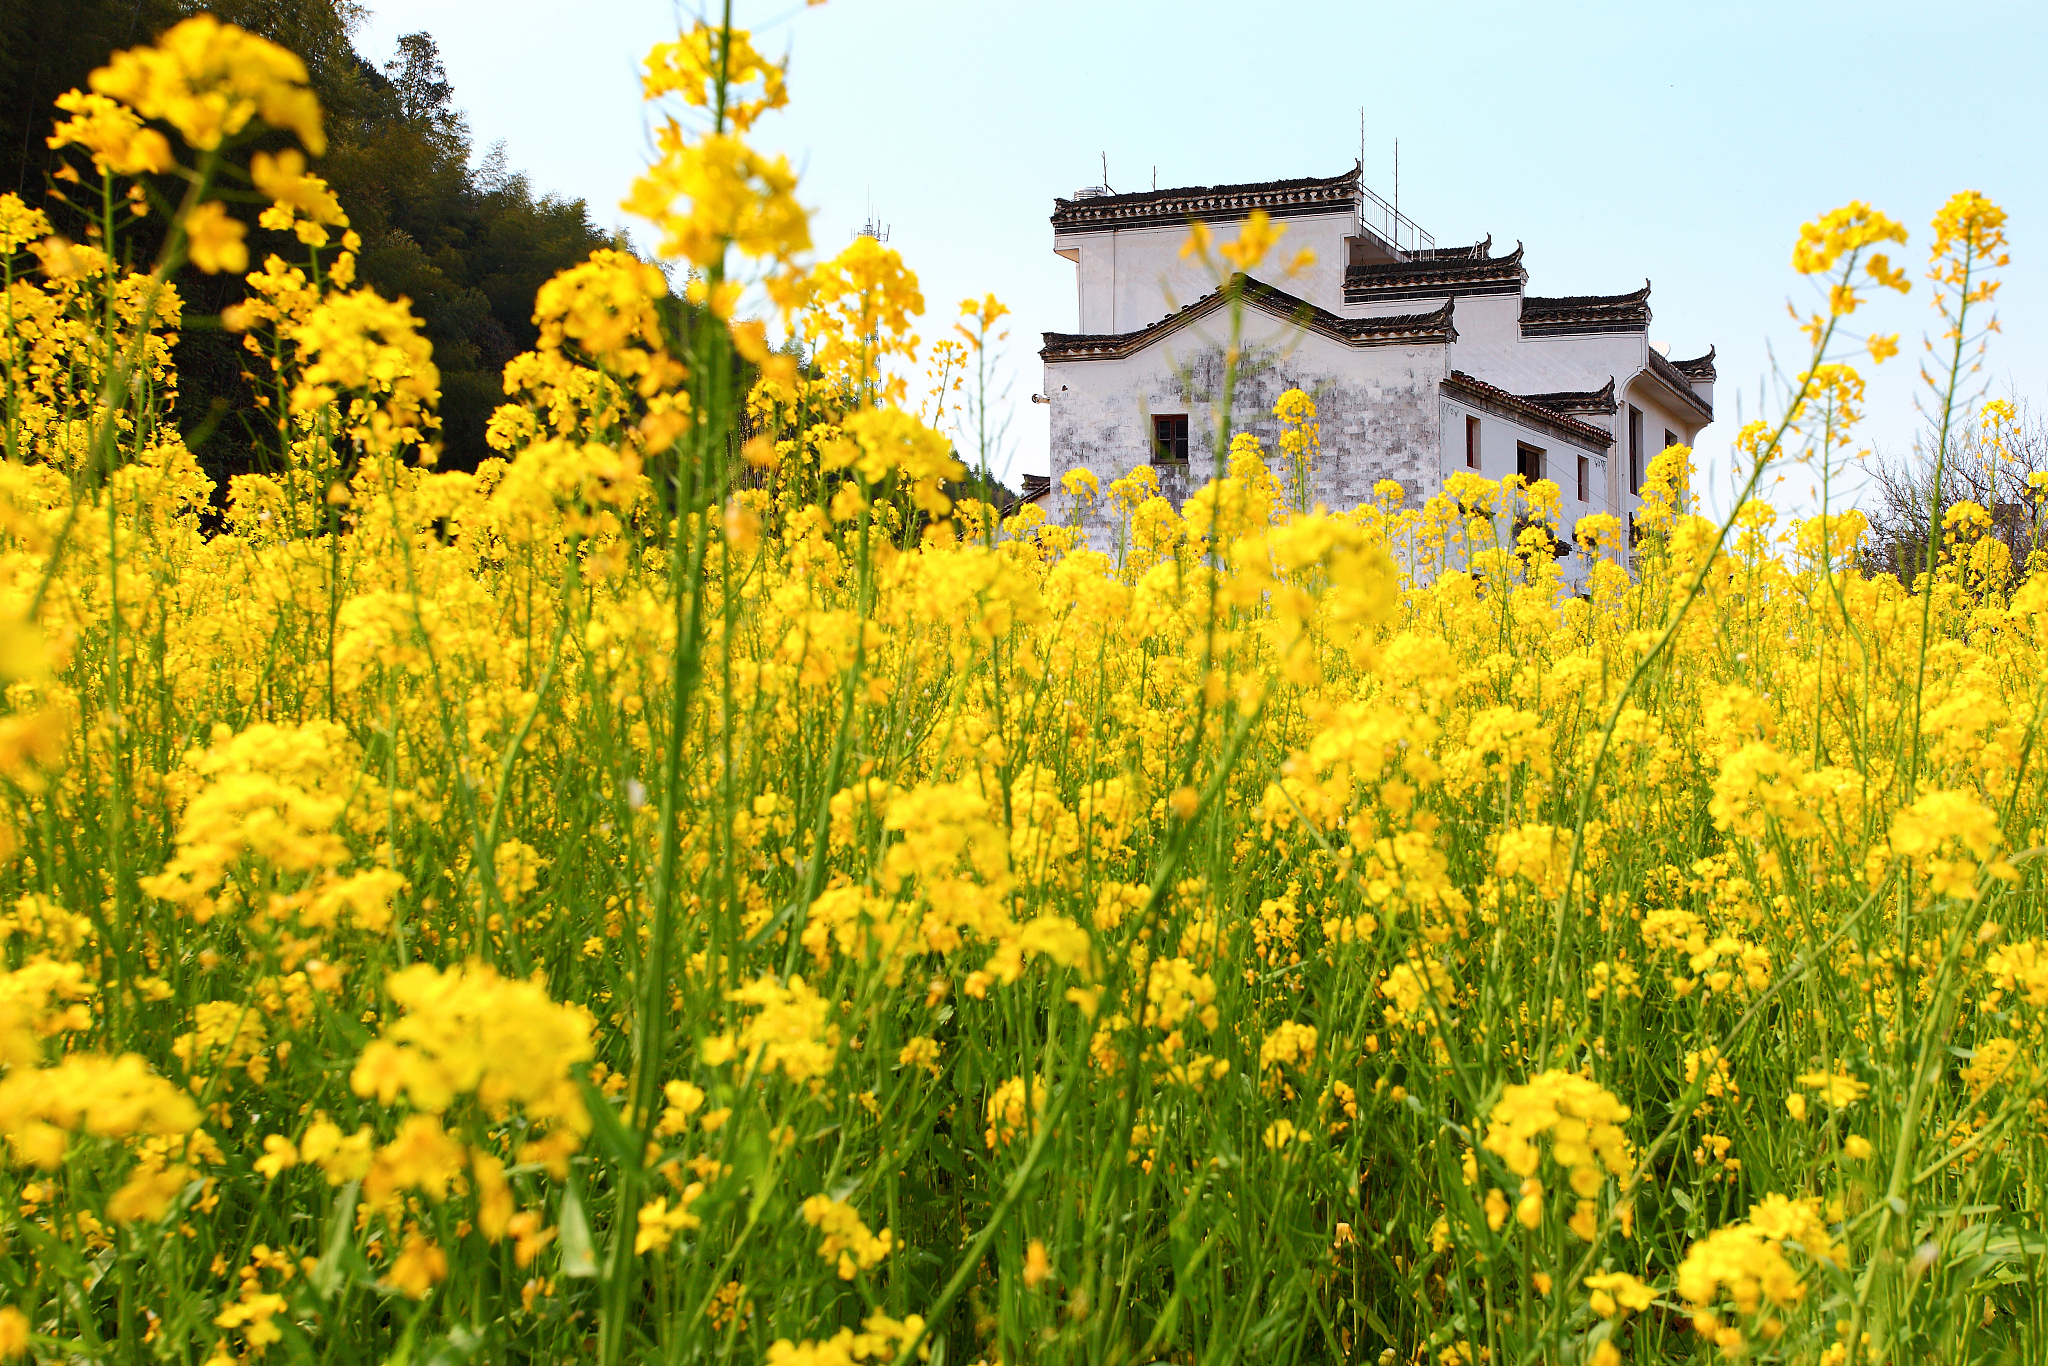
point(464, 237)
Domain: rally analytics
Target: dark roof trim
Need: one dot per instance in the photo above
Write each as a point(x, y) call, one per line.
point(1700, 369)
point(1679, 383)
point(1599, 400)
point(1437, 274)
point(1210, 203)
point(1411, 329)
point(1580, 313)
point(1516, 408)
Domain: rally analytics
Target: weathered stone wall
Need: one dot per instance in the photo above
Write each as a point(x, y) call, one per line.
point(1377, 408)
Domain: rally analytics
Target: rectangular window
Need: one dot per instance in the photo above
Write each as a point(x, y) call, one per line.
point(1170, 440)
point(1585, 480)
point(1635, 449)
point(1472, 443)
point(1670, 438)
point(1529, 462)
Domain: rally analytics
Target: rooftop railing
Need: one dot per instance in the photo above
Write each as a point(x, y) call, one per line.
point(1390, 225)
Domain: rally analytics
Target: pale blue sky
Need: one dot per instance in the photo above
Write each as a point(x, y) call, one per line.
point(1680, 142)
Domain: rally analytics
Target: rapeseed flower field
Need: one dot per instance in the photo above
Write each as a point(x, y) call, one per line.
point(692, 890)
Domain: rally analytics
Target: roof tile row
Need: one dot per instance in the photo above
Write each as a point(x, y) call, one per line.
point(1577, 313)
point(1437, 274)
point(1164, 208)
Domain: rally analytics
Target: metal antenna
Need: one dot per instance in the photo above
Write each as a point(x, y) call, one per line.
point(1105, 172)
point(1397, 192)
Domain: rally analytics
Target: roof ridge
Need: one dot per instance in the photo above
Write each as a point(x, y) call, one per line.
point(1429, 278)
point(1599, 400)
point(1481, 250)
point(1418, 264)
point(1635, 296)
point(1567, 314)
point(1679, 381)
point(1181, 191)
point(1432, 326)
point(1700, 369)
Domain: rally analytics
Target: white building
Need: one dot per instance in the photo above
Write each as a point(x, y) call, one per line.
point(1422, 360)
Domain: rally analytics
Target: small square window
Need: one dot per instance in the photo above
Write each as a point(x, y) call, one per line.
point(1529, 462)
point(1670, 438)
point(1471, 443)
point(1170, 439)
point(1585, 480)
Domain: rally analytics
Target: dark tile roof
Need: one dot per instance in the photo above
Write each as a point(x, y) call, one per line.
point(1478, 251)
point(1680, 383)
point(1587, 313)
point(1210, 203)
point(1035, 488)
point(1700, 369)
point(1445, 272)
point(1536, 414)
point(1599, 400)
point(1433, 328)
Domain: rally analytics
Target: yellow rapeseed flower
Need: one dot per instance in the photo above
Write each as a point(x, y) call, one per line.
point(208, 80)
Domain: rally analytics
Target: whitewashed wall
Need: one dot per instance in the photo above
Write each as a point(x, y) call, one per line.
point(1130, 278)
point(1499, 440)
point(1661, 412)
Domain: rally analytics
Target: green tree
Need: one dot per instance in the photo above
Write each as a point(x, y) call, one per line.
point(467, 244)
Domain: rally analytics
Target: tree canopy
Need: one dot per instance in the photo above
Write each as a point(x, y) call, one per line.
point(466, 239)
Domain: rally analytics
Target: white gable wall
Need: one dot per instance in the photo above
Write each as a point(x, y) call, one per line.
point(1130, 278)
point(1491, 347)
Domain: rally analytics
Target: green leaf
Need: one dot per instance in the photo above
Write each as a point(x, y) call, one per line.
point(614, 1139)
point(1998, 1242)
point(326, 1276)
point(578, 1257)
point(1374, 1321)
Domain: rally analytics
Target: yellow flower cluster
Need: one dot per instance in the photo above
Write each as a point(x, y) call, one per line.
point(880, 1339)
point(469, 1032)
point(792, 1033)
point(1580, 1121)
point(844, 1240)
point(42, 1107)
point(1759, 1264)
